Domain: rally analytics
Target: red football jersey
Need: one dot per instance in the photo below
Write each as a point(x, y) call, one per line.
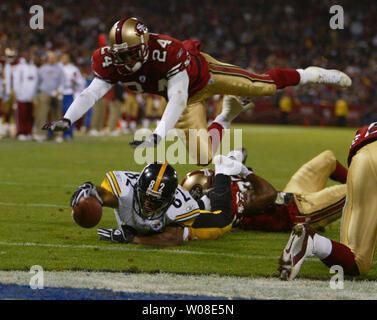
point(167, 56)
point(363, 136)
point(274, 219)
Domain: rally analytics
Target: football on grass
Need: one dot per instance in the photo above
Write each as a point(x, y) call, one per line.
point(87, 212)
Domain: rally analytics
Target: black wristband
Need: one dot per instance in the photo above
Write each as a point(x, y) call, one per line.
point(67, 120)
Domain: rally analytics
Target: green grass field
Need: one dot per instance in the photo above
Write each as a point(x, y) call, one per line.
point(36, 227)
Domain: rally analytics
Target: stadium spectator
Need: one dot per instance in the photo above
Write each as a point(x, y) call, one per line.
point(72, 84)
point(341, 112)
point(115, 100)
point(25, 85)
point(249, 29)
point(132, 104)
point(8, 98)
point(51, 78)
point(97, 122)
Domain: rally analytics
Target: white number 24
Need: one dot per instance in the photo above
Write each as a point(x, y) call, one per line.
point(161, 55)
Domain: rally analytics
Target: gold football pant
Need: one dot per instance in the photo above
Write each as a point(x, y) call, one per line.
point(153, 110)
point(98, 116)
point(225, 79)
point(208, 225)
point(130, 106)
point(114, 114)
point(318, 205)
point(359, 221)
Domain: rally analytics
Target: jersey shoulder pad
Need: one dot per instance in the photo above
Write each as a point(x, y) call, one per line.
point(119, 182)
point(184, 207)
point(364, 136)
point(171, 53)
point(102, 65)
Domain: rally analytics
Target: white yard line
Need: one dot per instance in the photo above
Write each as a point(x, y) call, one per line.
point(133, 249)
point(212, 285)
point(47, 205)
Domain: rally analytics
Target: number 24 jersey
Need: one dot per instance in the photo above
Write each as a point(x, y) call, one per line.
point(166, 57)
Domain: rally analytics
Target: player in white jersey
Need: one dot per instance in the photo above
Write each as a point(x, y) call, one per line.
point(151, 208)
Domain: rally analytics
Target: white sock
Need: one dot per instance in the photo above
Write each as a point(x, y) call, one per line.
point(221, 119)
point(207, 203)
point(303, 76)
point(230, 110)
point(322, 246)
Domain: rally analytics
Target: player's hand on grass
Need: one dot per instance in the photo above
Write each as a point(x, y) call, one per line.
point(152, 141)
point(60, 125)
point(124, 235)
point(87, 189)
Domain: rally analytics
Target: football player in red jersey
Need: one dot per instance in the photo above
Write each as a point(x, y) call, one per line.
point(258, 206)
point(358, 235)
point(185, 76)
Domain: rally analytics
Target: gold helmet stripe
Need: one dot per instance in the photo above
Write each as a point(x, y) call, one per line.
point(160, 175)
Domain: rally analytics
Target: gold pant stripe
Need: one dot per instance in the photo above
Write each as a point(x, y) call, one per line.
point(240, 76)
point(337, 205)
point(323, 217)
point(239, 72)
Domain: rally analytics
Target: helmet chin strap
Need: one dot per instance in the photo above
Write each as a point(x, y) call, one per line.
point(136, 67)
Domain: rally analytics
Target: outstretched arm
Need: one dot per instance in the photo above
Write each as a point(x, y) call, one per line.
point(172, 236)
point(85, 100)
point(177, 101)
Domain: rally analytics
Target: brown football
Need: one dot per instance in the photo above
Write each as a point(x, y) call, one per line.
point(87, 212)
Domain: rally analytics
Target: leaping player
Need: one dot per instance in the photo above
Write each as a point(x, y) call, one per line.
point(185, 76)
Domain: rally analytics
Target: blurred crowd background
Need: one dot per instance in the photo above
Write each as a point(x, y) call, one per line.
point(255, 34)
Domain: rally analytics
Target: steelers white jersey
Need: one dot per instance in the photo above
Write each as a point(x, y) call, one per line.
point(122, 183)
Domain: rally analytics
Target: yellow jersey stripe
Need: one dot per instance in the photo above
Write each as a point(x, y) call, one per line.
point(160, 175)
point(106, 185)
point(187, 214)
point(114, 183)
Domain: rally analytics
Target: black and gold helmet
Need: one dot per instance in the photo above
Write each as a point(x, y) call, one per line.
point(128, 39)
point(155, 190)
point(197, 182)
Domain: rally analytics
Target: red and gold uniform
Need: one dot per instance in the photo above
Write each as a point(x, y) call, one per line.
point(167, 56)
point(359, 221)
point(207, 77)
point(312, 201)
